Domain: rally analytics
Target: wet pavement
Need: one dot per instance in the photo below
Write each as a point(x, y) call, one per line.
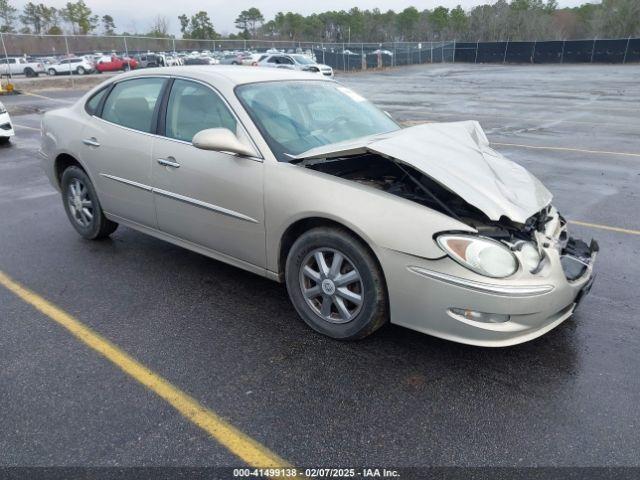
point(231, 339)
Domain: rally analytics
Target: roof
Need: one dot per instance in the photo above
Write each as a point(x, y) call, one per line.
point(234, 74)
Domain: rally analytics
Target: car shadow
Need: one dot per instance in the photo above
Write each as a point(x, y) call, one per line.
point(248, 308)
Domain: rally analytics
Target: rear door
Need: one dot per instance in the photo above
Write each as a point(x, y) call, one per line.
point(213, 199)
point(118, 142)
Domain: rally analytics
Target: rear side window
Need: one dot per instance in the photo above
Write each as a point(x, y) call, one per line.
point(131, 103)
point(94, 102)
point(194, 107)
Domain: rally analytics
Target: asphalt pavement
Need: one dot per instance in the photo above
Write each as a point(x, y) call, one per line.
point(232, 340)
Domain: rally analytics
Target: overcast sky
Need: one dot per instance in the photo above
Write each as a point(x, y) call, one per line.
point(136, 15)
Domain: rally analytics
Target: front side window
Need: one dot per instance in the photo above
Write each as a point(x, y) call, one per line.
point(193, 107)
point(131, 103)
point(295, 116)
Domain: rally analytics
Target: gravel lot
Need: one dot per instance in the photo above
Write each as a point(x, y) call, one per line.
point(232, 341)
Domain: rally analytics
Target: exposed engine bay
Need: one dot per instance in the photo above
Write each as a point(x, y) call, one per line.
point(402, 180)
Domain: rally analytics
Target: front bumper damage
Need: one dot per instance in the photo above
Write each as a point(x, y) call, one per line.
point(444, 299)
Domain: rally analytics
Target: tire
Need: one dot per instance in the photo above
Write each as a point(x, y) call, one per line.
point(4, 140)
point(364, 317)
point(98, 226)
point(80, 71)
point(52, 72)
point(28, 72)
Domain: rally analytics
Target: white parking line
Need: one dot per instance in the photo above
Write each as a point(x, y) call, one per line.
point(26, 128)
point(61, 100)
point(567, 149)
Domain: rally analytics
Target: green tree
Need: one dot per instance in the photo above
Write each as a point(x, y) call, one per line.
point(458, 21)
point(108, 25)
point(8, 14)
point(80, 17)
point(407, 21)
point(248, 21)
point(199, 26)
point(31, 17)
point(184, 24)
point(439, 21)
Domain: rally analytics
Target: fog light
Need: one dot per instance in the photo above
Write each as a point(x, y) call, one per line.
point(479, 316)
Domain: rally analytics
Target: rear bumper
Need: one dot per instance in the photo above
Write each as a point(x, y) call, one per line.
point(441, 298)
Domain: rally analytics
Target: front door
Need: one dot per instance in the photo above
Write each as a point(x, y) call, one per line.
point(212, 199)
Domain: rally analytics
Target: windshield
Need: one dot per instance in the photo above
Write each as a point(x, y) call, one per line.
point(302, 60)
point(296, 116)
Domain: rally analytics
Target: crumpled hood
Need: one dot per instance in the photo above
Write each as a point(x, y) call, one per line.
point(456, 155)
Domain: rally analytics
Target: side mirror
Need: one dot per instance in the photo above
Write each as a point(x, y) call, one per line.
point(221, 140)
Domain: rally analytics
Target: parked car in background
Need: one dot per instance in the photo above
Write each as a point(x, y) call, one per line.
point(254, 59)
point(189, 60)
point(115, 63)
point(77, 65)
point(149, 60)
point(231, 59)
point(295, 61)
point(20, 66)
point(6, 127)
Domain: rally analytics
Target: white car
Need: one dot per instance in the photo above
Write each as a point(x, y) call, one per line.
point(6, 127)
point(78, 65)
point(295, 61)
point(19, 66)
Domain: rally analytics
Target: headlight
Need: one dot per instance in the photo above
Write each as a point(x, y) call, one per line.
point(482, 255)
point(530, 256)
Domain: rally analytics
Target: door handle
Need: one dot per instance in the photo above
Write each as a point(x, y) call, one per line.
point(168, 162)
point(92, 142)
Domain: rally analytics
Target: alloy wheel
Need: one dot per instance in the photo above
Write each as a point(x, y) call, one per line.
point(80, 203)
point(331, 285)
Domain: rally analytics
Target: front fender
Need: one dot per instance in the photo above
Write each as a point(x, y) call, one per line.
point(383, 220)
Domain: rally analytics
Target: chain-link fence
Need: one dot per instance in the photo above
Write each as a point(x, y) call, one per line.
point(340, 56)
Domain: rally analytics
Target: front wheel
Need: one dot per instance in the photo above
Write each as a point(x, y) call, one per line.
point(80, 71)
point(336, 284)
point(51, 72)
point(82, 206)
point(29, 72)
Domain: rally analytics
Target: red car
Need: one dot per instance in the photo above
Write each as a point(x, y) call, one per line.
point(113, 63)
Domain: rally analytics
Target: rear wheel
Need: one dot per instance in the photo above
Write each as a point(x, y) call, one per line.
point(336, 284)
point(80, 71)
point(4, 140)
point(82, 206)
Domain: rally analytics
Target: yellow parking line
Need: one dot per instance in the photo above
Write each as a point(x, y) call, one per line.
point(605, 227)
point(242, 446)
point(567, 149)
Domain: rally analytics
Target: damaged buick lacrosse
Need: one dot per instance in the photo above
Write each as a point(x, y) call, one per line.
point(302, 180)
